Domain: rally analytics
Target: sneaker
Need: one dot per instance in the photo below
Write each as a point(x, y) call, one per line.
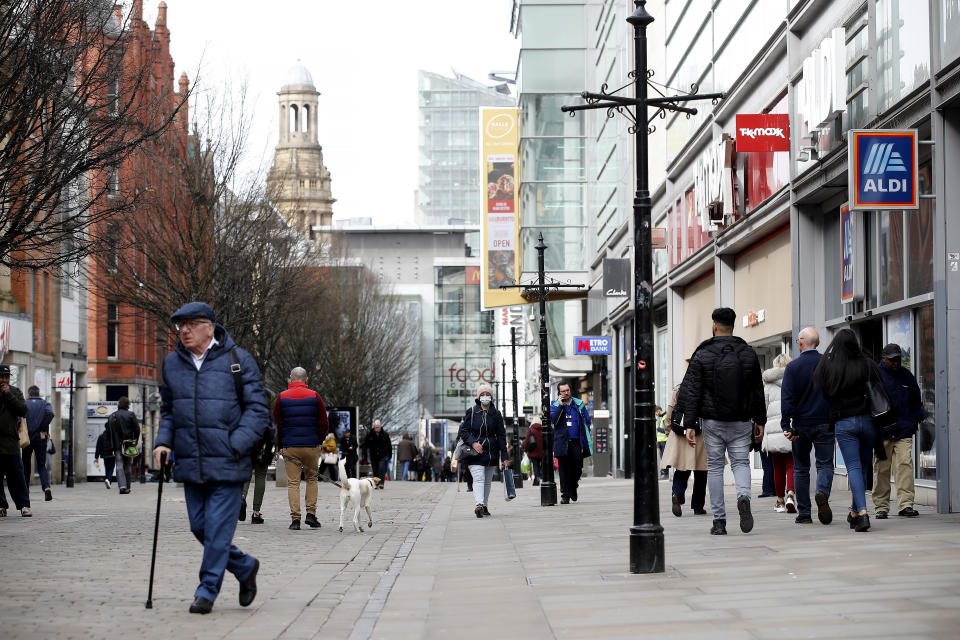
point(106, 482)
point(803, 518)
point(719, 528)
point(861, 522)
point(852, 520)
point(311, 521)
point(675, 508)
point(881, 514)
point(780, 507)
point(294, 525)
point(746, 518)
point(47, 495)
point(25, 512)
point(908, 512)
point(478, 510)
point(824, 513)
point(256, 518)
point(791, 502)
point(243, 510)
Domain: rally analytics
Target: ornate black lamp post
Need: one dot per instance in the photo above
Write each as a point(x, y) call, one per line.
point(646, 534)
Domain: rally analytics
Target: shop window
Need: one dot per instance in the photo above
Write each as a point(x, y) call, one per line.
point(696, 236)
point(925, 464)
point(890, 253)
point(949, 31)
point(858, 72)
point(920, 239)
point(903, 49)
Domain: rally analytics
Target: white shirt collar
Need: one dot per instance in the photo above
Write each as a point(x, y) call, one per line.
point(198, 360)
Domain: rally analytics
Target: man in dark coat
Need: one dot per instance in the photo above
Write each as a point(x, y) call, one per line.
point(905, 397)
point(122, 425)
point(213, 412)
point(379, 450)
point(348, 446)
point(406, 453)
point(39, 416)
point(104, 451)
point(571, 440)
point(12, 408)
point(723, 390)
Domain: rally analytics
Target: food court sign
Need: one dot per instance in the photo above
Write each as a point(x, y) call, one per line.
point(884, 169)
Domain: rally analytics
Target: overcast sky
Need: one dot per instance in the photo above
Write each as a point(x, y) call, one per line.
point(364, 58)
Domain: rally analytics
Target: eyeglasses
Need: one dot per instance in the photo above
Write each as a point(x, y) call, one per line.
point(191, 325)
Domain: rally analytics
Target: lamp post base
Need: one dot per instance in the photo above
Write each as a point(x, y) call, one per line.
point(646, 549)
point(548, 494)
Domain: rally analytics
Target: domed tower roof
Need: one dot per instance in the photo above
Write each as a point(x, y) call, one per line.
point(297, 76)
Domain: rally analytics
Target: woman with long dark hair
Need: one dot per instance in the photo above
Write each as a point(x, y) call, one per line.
point(842, 377)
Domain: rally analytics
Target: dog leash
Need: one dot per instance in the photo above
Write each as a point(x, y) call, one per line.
point(309, 472)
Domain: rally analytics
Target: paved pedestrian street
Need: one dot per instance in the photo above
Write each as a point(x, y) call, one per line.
point(430, 569)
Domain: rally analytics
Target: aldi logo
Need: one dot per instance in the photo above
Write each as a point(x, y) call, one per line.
point(883, 169)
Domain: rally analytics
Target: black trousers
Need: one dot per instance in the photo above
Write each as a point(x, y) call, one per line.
point(571, 468)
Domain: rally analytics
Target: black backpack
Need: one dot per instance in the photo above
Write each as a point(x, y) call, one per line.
point(729, 387)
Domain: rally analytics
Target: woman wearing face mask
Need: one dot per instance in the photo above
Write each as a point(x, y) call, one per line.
point(482, 429)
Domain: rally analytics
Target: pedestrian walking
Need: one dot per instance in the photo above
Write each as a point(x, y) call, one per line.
point(406, 453)
point(775, 443)
point(328, 458)
point(349, 449)
point(842, 376)
point(662, 440)
point(124, 432)
point(213, 411)
point(805, 421)
point(482, 430)
point(905, 398)
point(685, 457)
point(262, 456)
point(723, 390)
point(12, 408)
point(104, 451)
point(571, 440)
point(379, 449)
point(39, 416)
point(301, 420)
point(533, 445)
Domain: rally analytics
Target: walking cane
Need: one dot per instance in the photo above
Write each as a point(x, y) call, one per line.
point(156, 529)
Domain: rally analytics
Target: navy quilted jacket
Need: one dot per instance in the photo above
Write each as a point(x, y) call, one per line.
point(200, 418)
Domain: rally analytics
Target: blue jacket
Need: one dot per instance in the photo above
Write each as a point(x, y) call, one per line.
point(560, 437)
point(801, 403)
point(301, 417)
point(39, 415)
point(487, 429)
point(905, 397)
point(201, 419)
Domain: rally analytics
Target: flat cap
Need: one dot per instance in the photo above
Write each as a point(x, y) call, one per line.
point(194, 310)
point(891, 351)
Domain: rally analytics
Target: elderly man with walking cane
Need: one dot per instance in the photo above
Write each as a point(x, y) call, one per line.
point(213, 412)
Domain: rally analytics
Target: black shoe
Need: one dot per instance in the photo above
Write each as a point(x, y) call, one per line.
point(746, 518)
point(699, 512)
point(256, 518)
point(536, 481)
point(861, 523)
point(201, 605)
point(47, 495)
point(852, 520)
point(719, 528)
point(881, 514)
point(573, 496)
point(564, 500)
point(295, 525)
point(908, 512)
point(248, 588)
point(675, 506)
point(803, 518)
point(311, 521)
point(123, 491)
point(486, 511)
point(243, 511)
point(478, 510)
point(824, 513)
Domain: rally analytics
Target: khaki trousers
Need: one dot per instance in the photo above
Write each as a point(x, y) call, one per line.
point(900, 456)
point(309, 457)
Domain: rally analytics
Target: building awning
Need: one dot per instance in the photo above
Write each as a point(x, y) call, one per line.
point(573, 366)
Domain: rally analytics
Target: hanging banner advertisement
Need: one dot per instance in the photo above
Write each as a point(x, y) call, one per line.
point(500, 218)
point(884, 168)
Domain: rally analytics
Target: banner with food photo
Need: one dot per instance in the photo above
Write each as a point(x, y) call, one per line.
point(499, 221)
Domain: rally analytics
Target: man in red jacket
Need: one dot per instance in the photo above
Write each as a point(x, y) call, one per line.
point(301, 419)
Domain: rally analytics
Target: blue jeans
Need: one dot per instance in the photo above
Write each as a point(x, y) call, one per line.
point(212, 509)
point(732, 439)
point(404, 468)
point(855, 437)
point(37, 448)
point(819, 439)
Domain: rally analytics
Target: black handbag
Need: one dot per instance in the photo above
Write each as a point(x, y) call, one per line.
point(879, 402)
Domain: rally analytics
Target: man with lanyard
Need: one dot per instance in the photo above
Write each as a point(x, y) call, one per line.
point(571, 440)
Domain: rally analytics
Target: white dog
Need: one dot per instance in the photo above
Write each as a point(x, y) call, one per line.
point(356, 493)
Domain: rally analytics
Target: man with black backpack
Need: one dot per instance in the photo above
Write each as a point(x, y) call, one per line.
point(124, 439)
point(723, 389)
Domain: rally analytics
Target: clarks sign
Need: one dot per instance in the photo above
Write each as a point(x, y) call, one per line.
point(763, 132)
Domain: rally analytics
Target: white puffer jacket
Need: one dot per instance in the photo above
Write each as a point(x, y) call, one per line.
point(773, 439)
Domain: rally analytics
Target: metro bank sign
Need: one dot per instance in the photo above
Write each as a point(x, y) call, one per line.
point(883, 169)
point(592, 345)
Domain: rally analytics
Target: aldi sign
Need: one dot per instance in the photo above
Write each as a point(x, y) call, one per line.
point(883, 169)
point(592, 345)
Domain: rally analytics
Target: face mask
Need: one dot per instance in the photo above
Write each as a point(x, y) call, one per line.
point(485, 400)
